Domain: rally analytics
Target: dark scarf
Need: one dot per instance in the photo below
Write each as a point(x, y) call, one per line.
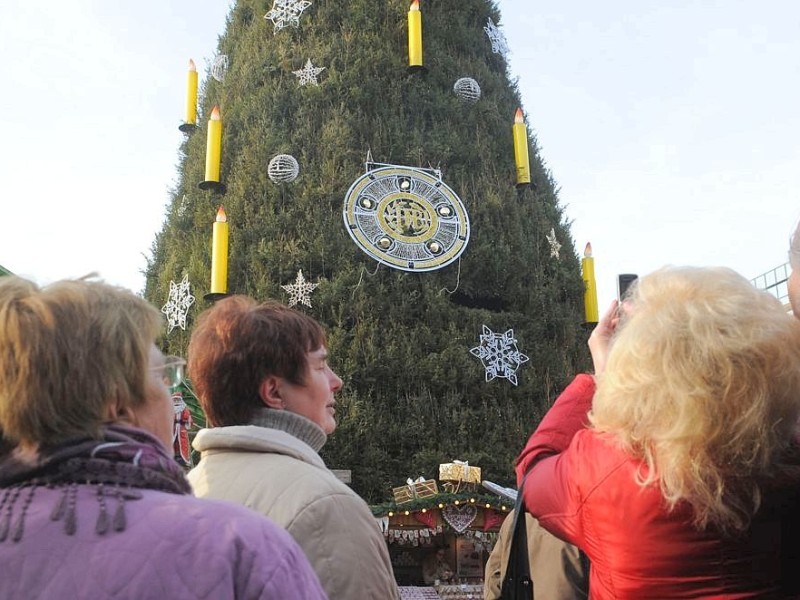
point(122, 461)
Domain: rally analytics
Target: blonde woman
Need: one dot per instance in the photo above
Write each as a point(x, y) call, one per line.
point(679, 475)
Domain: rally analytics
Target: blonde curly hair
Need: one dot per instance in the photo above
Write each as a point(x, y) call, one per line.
point(702, 384)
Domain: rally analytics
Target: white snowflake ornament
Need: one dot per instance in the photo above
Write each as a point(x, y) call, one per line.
point(308, 74)
point(178, 304)
point(499, 354)
point(497, 38)
point(181, 211)
point(554, 245)
point(300, 290)
point(286, 12)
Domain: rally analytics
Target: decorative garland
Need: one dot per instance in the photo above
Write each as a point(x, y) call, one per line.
point(440, 501)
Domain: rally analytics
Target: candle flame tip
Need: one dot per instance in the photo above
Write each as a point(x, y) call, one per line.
point(415, 5)
point(221, 217)
point(518, 118)
point(215, 112)
point(192, 66)
point(587, 252)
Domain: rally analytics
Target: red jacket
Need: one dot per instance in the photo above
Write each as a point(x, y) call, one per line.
point(582, 488)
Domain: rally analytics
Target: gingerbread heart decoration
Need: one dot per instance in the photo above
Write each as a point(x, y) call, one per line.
point(459, 517)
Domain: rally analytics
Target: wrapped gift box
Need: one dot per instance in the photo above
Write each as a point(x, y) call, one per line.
point(414, 491)
point(456, 471)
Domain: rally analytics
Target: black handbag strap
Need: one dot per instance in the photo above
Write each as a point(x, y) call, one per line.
point(517, 583)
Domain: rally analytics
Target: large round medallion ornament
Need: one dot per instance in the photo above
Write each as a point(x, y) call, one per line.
point(406, 218)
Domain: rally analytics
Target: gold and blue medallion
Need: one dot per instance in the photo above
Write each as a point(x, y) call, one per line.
point(406, 218)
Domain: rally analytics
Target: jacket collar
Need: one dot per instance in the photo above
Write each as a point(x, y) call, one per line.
point(272, 431)
point(293, 424)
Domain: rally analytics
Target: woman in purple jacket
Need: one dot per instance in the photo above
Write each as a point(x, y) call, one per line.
point(91, 503)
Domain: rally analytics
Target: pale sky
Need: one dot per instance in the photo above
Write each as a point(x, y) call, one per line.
point(673, 132)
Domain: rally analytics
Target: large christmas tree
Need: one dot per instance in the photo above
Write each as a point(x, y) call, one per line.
point(400, 330)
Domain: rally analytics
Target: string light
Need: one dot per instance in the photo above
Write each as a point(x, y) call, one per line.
point(461, 502)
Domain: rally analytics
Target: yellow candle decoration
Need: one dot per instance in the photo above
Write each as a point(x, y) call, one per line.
point(214, 146)
point(219, 254)
point(590, 293)
point(414, 35)
point(191, 95)
point(521, 149)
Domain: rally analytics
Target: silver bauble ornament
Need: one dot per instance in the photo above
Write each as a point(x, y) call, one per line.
point(467, 89)
point(283, 168)
point(219, 67)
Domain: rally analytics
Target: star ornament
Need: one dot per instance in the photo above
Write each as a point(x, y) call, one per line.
point(499, 354)
point(554, 245)
point(300, 290)
point(178, 304)
point(286, 12)
point(497, 38)
point(308, 74)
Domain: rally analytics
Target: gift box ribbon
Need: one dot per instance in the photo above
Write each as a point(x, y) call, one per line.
point(464, 468)
point(412, 485)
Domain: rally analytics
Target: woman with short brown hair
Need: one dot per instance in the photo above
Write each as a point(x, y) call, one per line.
point(262, 376)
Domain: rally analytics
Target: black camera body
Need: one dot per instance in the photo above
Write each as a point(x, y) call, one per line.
point(624, 282)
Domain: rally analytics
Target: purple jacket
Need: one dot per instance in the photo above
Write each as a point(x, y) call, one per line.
point(174, 547)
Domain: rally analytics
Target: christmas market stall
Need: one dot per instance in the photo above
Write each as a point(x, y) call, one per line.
point(440, 534)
